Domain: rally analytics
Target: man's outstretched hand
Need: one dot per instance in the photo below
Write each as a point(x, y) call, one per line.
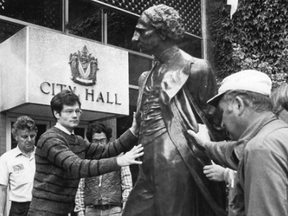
point(130, 157)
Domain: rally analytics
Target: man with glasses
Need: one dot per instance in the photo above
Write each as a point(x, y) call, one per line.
point(62, 158)
point(103, 195)
point(17, 168)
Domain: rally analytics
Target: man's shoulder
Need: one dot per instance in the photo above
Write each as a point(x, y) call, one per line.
point(272, 136)
point(10, 154)
point(50, 134)
point(195, 64)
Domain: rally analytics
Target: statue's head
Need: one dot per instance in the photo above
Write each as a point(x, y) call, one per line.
point(156, 25)
point(166, 20)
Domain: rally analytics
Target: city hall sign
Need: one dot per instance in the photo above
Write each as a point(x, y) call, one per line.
point(84, 67)
point(45, 62)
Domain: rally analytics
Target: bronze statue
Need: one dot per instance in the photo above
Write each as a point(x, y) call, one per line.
point(172, 98)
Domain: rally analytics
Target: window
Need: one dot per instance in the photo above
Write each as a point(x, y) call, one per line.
point(46, 13)
point(120, 29)
point(85, 19)
point(7, 29)
point(191, 45)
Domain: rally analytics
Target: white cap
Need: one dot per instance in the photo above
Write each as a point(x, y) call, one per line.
point(248, 80)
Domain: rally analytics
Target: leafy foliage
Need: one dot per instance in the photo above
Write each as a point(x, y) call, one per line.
point(256, 37)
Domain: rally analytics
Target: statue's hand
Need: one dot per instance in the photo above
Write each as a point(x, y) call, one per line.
point(202, 136)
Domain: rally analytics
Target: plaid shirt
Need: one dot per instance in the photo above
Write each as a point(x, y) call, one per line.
point(126, 185)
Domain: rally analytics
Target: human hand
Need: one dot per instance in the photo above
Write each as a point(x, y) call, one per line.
point(214, 172)
point(202, 136)
point(129, 157)
point(135, 124)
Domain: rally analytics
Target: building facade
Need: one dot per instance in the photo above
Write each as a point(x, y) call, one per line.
point(40, 38)
point(85, 46)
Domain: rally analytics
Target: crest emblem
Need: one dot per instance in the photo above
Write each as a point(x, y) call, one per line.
point(84, 67)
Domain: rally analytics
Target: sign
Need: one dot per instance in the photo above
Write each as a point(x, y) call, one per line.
point(45, 62)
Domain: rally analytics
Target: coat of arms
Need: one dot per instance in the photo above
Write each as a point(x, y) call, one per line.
point(83, 67)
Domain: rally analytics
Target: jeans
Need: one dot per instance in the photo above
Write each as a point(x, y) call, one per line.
point(94, 211)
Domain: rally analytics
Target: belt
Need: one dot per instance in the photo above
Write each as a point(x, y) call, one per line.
point(21, 203)
point(102, 207)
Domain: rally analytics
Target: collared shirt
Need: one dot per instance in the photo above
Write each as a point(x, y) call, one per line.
point(126, 186)
point(17, 172)
point(59, 126)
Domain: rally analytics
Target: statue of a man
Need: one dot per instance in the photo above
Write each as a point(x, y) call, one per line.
point(172, 98)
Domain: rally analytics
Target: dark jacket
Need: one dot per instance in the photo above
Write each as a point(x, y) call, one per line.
point(104, 190)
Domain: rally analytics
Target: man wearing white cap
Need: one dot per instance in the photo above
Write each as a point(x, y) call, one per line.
point(260, 154)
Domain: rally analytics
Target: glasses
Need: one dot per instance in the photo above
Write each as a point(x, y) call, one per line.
point(99, 141)
point(69, 112)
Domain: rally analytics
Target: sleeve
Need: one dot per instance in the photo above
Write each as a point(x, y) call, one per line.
point(4, 172)
point(57, 152)
point(265, 186)
point(126, 183)
point(79, 198)
point(221, 153)
point(202, 83)
point(123, 144)
point(229, 176)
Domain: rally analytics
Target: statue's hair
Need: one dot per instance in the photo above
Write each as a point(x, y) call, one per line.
point(167, 20)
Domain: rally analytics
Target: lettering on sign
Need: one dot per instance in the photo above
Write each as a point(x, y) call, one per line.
point(89, 94)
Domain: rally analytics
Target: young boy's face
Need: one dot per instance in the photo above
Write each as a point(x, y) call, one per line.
point(69, 117)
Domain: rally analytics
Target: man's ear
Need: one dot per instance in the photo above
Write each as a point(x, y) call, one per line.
point(56, 114)
point(15, 136)
point(240, 105)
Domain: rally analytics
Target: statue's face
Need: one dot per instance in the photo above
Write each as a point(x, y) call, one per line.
point(146, 36)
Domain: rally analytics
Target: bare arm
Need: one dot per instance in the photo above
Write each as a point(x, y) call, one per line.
point(3, 197)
